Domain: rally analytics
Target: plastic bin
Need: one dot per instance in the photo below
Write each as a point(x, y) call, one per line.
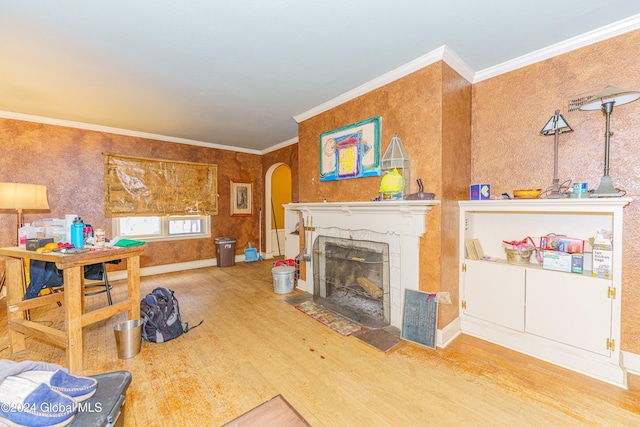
point(128, 338)
point(225, 251)
point(106, 407)
point(283, 279)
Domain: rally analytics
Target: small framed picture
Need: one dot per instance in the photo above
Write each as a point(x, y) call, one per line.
point(241, 198)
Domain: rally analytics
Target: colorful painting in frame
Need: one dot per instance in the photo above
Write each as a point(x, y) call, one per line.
point(351, 152)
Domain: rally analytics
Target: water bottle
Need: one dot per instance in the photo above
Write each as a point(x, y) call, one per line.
point(77, 233)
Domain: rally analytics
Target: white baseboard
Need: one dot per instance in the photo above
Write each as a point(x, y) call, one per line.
point(449, 333)
point(631, 362)
point(170, 268)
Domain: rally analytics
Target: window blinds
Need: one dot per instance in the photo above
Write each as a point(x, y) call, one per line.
point(137, 186)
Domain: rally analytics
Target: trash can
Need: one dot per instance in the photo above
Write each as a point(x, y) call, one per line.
point(225, 251)
point(283, 279)
point(128, 338)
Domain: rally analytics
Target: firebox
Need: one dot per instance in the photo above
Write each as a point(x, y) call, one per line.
point(351, 278)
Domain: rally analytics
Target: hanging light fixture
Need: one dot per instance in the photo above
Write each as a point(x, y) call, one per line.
point(555, 126)
point(605, 100)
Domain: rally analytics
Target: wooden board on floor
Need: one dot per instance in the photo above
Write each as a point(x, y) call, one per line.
point(276, 412)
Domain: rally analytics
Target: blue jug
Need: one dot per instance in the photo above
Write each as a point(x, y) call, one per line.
point(77, 233)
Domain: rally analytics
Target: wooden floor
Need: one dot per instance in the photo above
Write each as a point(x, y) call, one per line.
point(253, 346)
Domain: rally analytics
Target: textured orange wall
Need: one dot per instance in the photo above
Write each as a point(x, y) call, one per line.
point(413, 107)
point(70, 163)
point(456, 175)
point(508, 152)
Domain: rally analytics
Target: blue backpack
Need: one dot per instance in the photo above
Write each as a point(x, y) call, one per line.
point(160, 316)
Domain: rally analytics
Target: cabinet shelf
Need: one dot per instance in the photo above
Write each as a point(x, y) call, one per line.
point(503, 261)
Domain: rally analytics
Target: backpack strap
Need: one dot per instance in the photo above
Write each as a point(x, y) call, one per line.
point(187, 328)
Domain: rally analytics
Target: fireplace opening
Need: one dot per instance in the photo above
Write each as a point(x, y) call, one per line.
point(351, 278)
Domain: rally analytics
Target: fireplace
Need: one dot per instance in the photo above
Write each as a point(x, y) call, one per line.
point(397, 225)
point(351, 278)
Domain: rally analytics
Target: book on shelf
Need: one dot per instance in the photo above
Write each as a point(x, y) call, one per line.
point(474, 249)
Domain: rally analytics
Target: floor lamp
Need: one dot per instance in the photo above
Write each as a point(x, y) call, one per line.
point(18, 197)
point(605, 100)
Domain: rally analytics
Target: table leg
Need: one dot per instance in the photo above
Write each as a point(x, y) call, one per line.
point(133, 286)
point(15, 294)
point(73, 312)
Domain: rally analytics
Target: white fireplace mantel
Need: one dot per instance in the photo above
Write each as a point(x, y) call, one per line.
point(398, 223)
point(398, 217)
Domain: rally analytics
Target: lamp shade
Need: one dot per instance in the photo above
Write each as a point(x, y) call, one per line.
point(613, 94)
point(556, 123)
point(23, 196)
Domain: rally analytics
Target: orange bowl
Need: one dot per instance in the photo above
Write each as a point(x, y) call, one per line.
point(527, 194)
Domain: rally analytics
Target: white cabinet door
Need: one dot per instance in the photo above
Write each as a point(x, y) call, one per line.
point(569, 308)
point(495, 292)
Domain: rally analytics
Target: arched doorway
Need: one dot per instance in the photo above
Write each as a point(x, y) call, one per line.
point(277, 193)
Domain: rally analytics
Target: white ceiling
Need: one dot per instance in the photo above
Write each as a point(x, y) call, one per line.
point(236, 72)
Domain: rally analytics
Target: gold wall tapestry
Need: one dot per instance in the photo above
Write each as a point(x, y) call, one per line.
point(137, 186)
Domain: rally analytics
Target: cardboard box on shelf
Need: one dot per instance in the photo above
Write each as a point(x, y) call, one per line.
point(554, 260)
point(602, 257)
point(577, 263)
point(553, 242)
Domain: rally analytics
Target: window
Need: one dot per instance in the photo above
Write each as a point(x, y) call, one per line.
point(163, 227)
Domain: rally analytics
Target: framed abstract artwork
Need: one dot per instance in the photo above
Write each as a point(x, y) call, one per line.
point(351, 151)
point(241, 198)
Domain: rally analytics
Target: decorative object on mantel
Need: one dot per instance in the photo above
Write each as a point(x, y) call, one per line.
point(396, 162)
point(351, 151)
point(530, 194)
point(605, 100)
point(421, 195)
point(555, 126)
point(392, 186)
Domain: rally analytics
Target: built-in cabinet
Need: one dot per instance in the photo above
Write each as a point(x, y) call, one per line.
point(569, 319)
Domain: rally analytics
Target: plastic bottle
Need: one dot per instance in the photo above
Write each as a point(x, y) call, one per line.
point(23, 234)
point(77, 234)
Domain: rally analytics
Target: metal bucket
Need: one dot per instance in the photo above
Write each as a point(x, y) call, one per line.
point(128, 338)
point(283, 279)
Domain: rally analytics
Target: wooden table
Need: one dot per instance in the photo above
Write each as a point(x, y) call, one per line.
point(72, 266)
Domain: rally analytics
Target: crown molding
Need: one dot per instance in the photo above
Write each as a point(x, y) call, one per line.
point(442, 53)
point(118, 131)
point(458, 65)
point(280, 145)
point(600, 34)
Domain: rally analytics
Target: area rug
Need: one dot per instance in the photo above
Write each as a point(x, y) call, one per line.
point(298, 299)
point(382, 339)
point(337, 323)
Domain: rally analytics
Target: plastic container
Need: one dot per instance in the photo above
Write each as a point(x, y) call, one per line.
point(522, 258)
point(283, 279)
point(225, 251)
point(99, 238)
point(128, 338)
